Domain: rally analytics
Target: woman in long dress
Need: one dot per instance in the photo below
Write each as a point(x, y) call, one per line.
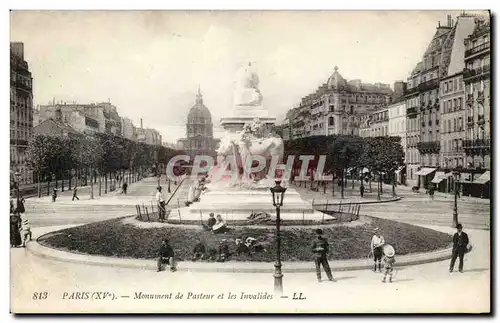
point(15, 234)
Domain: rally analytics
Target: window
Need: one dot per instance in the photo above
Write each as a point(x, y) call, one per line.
point(460, 84)
point(455, 86)
point(330, 121)
point(454, 125)
point(460, 106)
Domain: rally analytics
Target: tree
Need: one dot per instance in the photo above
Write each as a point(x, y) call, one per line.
point(383, 155)
point(344, 153)
point(88, 153)
point(40, 154)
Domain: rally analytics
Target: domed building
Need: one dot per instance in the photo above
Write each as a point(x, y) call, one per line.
point(199, 131)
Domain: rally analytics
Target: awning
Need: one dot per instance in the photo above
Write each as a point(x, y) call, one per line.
point(483, 179)
point(425, 171)
point(440, 176)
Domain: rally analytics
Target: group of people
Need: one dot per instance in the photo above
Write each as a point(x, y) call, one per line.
point(20, 231)
point(215, 224)
point(383, 253)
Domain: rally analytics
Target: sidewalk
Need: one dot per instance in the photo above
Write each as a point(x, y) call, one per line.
point(236, 267)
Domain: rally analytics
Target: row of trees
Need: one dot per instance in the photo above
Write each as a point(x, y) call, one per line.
point(351, 154)
point(96, 157)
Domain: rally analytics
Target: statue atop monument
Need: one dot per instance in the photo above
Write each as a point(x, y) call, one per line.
point(247, 93)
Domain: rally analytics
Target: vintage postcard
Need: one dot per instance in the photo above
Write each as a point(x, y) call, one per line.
point(250, 162)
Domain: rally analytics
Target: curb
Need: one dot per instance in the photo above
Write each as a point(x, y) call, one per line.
point(228, 267)
point(397, 198)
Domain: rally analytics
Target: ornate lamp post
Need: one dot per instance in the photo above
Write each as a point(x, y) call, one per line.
point(278, 193)
point(456, 177)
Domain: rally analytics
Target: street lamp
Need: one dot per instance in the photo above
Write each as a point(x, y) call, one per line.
point(456, 177)
point(278, 193)
point(17, 175)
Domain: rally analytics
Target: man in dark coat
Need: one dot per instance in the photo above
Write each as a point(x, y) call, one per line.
point(320, 249)
point(166, 256)
point(199, 251)
point(460, 242)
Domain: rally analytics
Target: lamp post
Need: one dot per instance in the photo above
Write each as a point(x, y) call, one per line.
point(17, 175)
point(456, 177)
point(278, 193)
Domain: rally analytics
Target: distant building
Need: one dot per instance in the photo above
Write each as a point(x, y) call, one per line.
point(87, 118)
point(128, 130)
point(199, 131)
point(52, 127)
point(337, 107)
point(21, 111)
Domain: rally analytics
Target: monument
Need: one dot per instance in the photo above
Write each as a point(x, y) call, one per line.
point(247, 101)
point(247, 134)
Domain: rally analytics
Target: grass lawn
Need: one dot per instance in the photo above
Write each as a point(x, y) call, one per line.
point(114, 238)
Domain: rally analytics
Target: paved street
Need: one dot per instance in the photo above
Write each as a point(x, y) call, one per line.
point(356, 291)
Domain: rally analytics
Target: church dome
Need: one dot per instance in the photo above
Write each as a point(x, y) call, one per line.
point(199, 113)
point(336, 81)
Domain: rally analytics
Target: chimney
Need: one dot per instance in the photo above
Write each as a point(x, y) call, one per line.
point(141, 123)
point(449, 20)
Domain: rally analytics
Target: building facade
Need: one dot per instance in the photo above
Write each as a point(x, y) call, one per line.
point(442, 59)
point(21, 112)
point(397, 128)
point(477, 78)
point(452, 121)
point(199, 131)
point(337, 107)
point(128, 129)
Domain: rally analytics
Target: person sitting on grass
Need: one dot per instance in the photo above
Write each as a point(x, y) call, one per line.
point(223, 251)
point(241, 248)
point(199, 251)
point(166, 256)
point(211, 222)
point(220, 225)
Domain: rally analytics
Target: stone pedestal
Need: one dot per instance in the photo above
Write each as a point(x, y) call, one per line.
point(243, 114)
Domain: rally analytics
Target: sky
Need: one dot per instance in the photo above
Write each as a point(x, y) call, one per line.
point(149, 63)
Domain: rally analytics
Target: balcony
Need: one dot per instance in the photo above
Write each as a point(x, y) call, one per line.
point(428, 85)
point(477, 49)
point(430, 147)
point(23, 86)
point(470, 74)
point(412, 112)
point(411, 90)
point(477, 147)
point(19, 142)
point(470, 121)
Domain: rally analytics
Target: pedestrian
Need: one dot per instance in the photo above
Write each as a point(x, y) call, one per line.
point(166, 256)
point(460, 245)
point(160, 200)
point(376, 246)
point(124, 188)
point(15, 224)
point(26, 231)
point(75, 193)
point(210, 223)
point(320, 248)
point(431, 192)
point(54, 195)
point(389, 261)
point(362, 190)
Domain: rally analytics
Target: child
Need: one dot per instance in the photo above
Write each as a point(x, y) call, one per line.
point(26, 231)
point(389, 261)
